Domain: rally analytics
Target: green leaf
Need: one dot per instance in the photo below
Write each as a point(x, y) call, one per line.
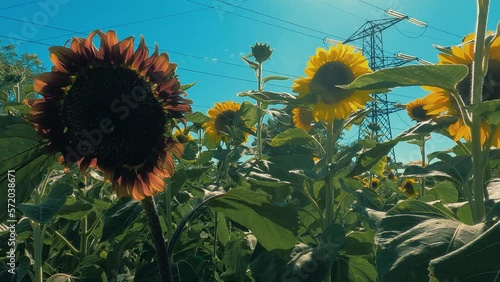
point(252, 64)
point(273, 77)
point(371, 157)
point(360, 270)
point(418, 207)
point(119, 217)
point(443, 76)
point(359, 243)
point(75, 210)
point(197, 117)
point(185, 87)
point(16, 109)
point(489, 110)
point(275, 227)
point(457, 169)
point(366, 197)
point(21, 151)
point(444, 191)
point(237, 257)
point(295, 136)
point(269, 97)
point(54, 202)
point(250, 113)
point(406, 243)
point(91, 273)
point(313, 263)
point(476, 261)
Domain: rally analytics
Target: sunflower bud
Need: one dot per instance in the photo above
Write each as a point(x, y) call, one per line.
point(261, 52)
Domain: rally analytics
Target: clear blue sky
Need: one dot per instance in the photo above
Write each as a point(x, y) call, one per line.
point(207, 37)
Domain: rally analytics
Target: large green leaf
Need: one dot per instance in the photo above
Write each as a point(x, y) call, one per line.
point(275, 227)
point(443, 76)
point(418, 207)
point(307, 263)
point(20, 151)
point(371, 157)
point(476, 261)
point(406, 243)
point(444, 191)
point(54, 202)
point(295, 136)
point(457, 169)
point(250, 113)
point(237, 257)
point(197, 117)
point(119, 217)
point(358, 269)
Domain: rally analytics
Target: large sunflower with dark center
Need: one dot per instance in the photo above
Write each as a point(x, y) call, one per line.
point(111, 108)
point(225, 123)
point(440, 102)
point(328, 69)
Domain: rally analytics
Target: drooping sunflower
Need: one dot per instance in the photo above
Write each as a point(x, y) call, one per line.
point(224, 121)
point(416, 111)
point(327, 69)
point(408, 188)
point(182, 137)
point(303, 118)
point(440, 102)
point(110, 108)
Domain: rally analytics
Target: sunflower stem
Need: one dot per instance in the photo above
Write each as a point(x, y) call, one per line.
point(38, 233)
point(259, 119)
point(422, 153)
point(168, 208)
point(159, 241)
point(329, 181)
point(476, 97)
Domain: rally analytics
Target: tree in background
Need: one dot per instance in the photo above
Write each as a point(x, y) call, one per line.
point(16, 75)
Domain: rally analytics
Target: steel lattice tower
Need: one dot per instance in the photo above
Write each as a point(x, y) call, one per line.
point(377, 121)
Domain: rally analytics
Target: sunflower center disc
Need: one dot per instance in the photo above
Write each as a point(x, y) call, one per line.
point(419, 113)
point(111, 114)
point(224, 120)
point(327, 77)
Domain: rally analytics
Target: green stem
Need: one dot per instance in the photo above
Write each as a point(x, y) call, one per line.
point(159, 241)
point(259, 120)
point(38, 234)
point(422, 153)
point(168, 204)
point(476, 97)
point(329, 181)
point(214, 257)
point(66, 242)
point(84, 236)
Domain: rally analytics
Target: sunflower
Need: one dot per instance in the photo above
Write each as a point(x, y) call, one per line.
point(182, 137)
point(303, 118)
point(440, 102)
point(375, 183)
point(416, 111)
point(110, 108)
point(339, 65)
point(409, 188)
point(225, 120)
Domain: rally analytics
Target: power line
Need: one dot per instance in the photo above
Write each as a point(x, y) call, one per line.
point(18, 5)
point(431, 27)
point(168, 51)
point(273, 17)
point(259, 21)
point(184, 69)
point(343, 10)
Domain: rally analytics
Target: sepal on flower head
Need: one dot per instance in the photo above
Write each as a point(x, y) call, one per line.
point(261, 52)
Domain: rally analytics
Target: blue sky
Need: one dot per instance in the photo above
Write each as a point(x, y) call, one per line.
point(207, 37)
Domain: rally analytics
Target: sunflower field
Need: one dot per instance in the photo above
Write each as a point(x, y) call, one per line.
point(108, 174)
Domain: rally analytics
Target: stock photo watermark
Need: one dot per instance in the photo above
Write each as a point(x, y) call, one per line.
point(12, 221)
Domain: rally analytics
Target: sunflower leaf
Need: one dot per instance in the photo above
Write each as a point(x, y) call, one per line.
point(407, 242)
point(442, 76)
point(296, 136)
point(20, 152)
point(55, 201)
point(119, 217)
point(269, 97)
point(274, 77)
point(252, 64)
point(185, 87)
point(197, 117)
point(275, 227)
point(478, 259)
